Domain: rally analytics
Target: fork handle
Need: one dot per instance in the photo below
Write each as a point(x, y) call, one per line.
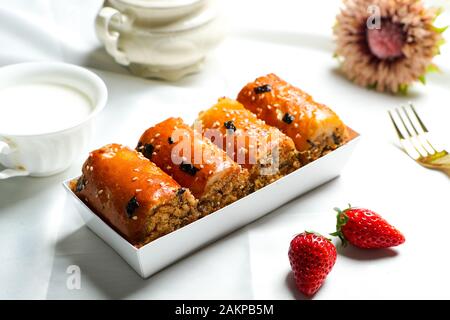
point(442, 164)
point(447, 171)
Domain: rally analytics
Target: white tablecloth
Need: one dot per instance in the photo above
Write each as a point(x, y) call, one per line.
point(41, 234)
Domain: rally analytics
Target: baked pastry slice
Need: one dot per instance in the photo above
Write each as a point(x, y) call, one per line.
point(133, 195)
point(314, 128)
point(195, 163)
point(263, 150)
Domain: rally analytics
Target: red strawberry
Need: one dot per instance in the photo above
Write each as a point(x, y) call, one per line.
point(366, 229)
point(311, 256)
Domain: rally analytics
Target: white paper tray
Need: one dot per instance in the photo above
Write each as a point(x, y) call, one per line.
point(161, 252)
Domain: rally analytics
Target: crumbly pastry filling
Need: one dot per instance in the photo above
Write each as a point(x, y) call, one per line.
point(168, 217)
point(288, 162)
point(323, 145)
point(224, 191)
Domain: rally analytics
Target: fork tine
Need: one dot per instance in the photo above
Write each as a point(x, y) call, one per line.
point(400, 135)
point(410, 139)
point(418, 118)
point(409, 120)
point(402, 139)
point(422, 125)
point(418, 135)
point(403, 122)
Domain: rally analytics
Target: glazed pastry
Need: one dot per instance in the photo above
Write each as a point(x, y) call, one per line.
point(265, 151)
point(133, 195)
point(195, 163)
point(314, 127)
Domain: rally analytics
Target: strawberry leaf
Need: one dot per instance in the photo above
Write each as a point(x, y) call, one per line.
point(341, 220)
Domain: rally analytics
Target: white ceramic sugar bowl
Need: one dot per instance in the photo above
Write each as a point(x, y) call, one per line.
point(165, 39)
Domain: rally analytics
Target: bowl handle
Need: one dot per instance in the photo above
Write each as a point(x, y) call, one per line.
point(6, 149)
point(111, 38)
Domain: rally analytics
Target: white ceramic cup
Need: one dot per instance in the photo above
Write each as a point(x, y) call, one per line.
point(49, 153)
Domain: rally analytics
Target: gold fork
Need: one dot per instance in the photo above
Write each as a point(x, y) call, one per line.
point(416, 143)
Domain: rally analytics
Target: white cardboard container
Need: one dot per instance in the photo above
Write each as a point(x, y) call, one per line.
point(163, 251)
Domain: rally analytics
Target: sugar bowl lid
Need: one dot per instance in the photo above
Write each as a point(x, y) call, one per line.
point(207, 14)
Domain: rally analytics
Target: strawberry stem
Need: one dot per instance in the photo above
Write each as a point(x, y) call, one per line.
point(317, 234)
point(341, 220)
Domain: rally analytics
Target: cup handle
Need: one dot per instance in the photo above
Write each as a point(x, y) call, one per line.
point(6, 149)
point(111, 38)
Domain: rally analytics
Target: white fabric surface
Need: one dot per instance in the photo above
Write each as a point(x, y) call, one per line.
point(41, 235)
